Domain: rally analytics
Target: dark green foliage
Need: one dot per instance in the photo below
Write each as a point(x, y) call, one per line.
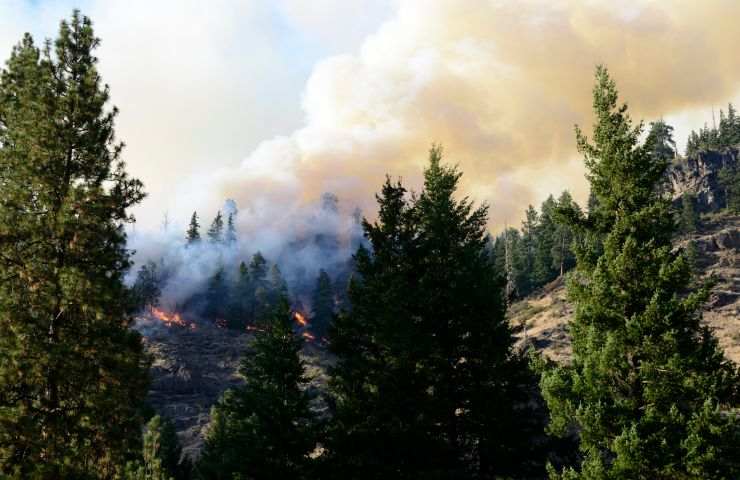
point(160, 456)
point(727, 135)
point(659, 141)
point(541, 251)
point(263, 430)
point(563, 258)
point(230, 236)
point(193, 233)
point(323, 305)
point(72, 374)
point(146, 288)
point(426, 384)
point(648, 383)
point(689, 220)
point(729, 179)
point(216, 230)
point(217, 296)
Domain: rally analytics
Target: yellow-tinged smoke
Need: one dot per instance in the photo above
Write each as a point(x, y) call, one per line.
point(500, 84)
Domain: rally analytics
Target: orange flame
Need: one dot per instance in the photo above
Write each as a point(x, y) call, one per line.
point(308, 336)
point(300, 319)
point(171, 319)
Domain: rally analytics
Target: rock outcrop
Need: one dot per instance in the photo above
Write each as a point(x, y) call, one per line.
point(698, 175)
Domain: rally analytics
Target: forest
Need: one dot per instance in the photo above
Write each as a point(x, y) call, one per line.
point(426, 381)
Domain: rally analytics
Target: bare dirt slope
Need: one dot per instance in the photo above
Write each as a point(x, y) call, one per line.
point(542, 319)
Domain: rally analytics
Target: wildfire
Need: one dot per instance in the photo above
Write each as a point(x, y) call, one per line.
point(301, 319)
point(171, 319)
point(308, 336)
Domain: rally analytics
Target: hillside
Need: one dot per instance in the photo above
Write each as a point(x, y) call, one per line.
point(542, 318)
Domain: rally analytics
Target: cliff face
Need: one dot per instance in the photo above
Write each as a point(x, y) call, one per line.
point(542, 319)
point(699, 175)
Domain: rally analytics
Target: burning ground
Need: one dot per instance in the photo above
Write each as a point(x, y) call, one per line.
point(194, 361)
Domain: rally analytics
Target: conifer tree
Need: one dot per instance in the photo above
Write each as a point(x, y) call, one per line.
point(729, 179)
point(263, 430)
point(564, 236)
point(160, 457)
point(230, 236)
point(193, 233)
point(72, 374)
point(216, 230)
point(240, 300)
point(648, 383)
point(426, 384)
point(323, 304)
point(146, 288)
point(689, 221)
point(217, 296)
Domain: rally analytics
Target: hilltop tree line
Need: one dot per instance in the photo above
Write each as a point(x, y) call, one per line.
point(236, 296)
point(539, 252)
point(427, 382)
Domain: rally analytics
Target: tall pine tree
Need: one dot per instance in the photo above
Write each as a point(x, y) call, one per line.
point(72, 374)
point(426, 383)
point(216, 230)
point(193, 233)
point(263, 430)
point(648, 383)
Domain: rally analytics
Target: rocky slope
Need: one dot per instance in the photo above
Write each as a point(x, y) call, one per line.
point(542, 319)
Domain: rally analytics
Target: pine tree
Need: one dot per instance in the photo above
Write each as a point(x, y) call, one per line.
point(216, 230)
point(659, 141)
point(146, 288)
point(230, 236)
point(562, 249)
point(323, 304)
point(545, 239)
point(426, 382)
point(263, 430)
point(72, 374)
point(648, 383)
point(193, 233)
point(160, 458)
point(689, 216)
point(240, 300)
point(217, 295)
point(729, 179)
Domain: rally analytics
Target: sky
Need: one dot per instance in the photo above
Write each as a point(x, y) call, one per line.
point(272, 102)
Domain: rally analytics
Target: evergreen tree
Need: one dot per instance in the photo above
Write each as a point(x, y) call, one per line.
point(648, 383)
point(216, 230)
point(263, 430)
point(72, 374)
point(161, 454)
point(545, 238)
point(240, 300)
point(659, 141)
point(278, 285)
point(563, 257)
point(146, 288)
point(193, 233)
point(230, 236)
point(729, 179)
point(426, 383)
point(217, 296)
point(260, 286)
point(323, 304)
point(689, 216)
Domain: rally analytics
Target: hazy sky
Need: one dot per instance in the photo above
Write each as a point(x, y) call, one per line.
point(273, 102)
